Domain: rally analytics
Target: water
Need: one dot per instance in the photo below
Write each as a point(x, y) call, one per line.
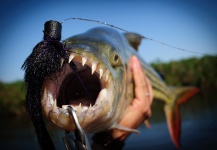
point(196, 135)
point(199, 131)
point(199, 128)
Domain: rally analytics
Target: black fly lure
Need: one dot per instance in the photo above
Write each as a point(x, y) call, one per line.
point(44, 61)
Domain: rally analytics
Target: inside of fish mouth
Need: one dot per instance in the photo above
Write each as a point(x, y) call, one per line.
point(82, 87)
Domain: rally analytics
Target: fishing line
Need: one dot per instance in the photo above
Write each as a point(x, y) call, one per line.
point(100, 22)
point(144, 37)
point(73, 66)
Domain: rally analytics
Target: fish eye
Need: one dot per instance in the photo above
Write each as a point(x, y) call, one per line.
point(115, 59)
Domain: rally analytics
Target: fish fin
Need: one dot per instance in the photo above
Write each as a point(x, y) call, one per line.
point(185, 93)
point(117, 126)
point(172, 112)
point(147, 123)
point(173, 121)
point(133, 39)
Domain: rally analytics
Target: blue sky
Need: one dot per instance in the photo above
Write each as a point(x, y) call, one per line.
point(188, 24)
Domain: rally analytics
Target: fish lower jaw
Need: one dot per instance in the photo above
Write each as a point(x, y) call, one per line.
point(87, 115)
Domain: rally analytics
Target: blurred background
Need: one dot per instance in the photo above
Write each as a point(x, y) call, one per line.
point(187, 24)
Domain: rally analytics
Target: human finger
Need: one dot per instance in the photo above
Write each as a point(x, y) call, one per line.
point(149, 90)
point(143, 89)
point(139, 79)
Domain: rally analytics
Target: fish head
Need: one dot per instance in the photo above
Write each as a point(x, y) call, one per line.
point(92, 81)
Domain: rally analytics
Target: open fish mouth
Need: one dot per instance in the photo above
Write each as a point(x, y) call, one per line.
point(84, 83)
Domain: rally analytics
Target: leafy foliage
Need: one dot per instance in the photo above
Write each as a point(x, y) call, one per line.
point(201, 72)
point(12, 96)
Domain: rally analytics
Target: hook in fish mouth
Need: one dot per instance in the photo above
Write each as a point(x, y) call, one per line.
point(91, 101)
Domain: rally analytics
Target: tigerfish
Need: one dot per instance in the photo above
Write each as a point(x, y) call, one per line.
point(100, 87)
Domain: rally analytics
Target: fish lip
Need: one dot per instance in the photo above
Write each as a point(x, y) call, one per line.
point(52, 91)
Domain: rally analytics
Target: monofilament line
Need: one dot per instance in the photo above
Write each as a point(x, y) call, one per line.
point(159, 42)
point(74, 68)
point(100, 22)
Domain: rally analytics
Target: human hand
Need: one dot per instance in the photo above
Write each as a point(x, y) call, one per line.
point(140, 108)
point(135, 114)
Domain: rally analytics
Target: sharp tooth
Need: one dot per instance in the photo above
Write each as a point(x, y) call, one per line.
point(79, 109)
point(89, 109)
point(84, 60)
point(94, 64)
point(45, 94)
point(100, 73)
point(61, 62)
point(71, 57)
point(55, 106)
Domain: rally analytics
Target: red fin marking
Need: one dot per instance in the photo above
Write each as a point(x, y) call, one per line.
point(187, 95)
point(173, 116)
point(173, 121)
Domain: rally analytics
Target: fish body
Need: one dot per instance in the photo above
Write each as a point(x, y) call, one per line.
point(96, 80)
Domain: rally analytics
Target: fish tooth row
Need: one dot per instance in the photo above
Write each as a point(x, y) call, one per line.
point(93, 64)
point(79, 109)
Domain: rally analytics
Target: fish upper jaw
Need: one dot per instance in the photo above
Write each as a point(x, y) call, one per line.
point(59, 93)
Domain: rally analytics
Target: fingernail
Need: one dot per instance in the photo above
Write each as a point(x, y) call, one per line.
point(135, 58)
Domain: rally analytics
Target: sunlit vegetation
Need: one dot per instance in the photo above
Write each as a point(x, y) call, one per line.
point(198, 72)
point(12, 97)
